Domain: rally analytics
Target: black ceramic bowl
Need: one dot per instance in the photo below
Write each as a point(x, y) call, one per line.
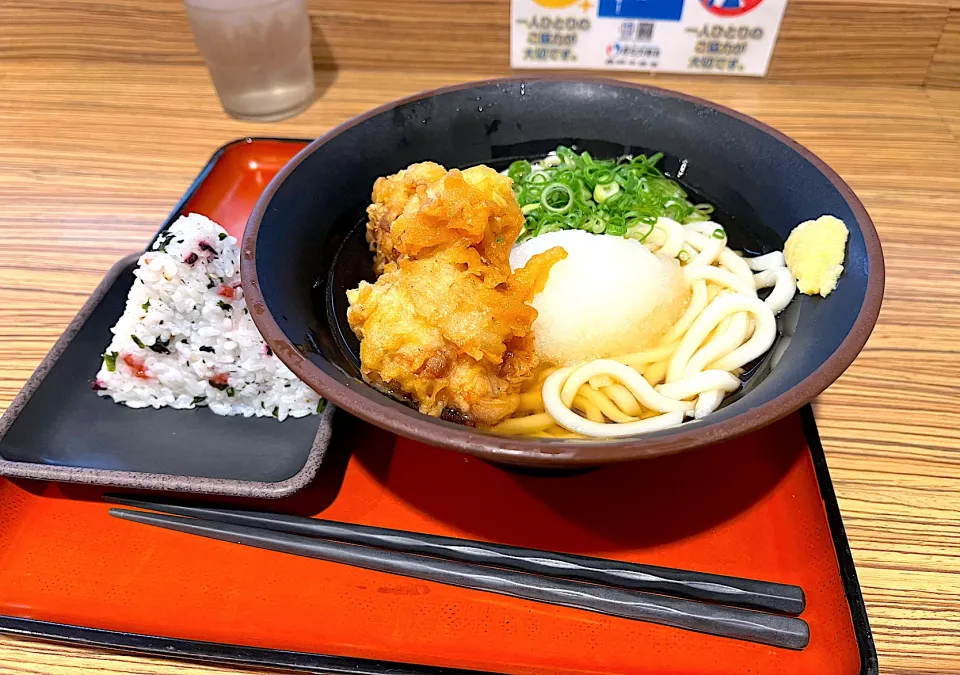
point(304, 244)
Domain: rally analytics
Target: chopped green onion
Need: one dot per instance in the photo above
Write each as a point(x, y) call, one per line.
point(321, 404)
point(137, 341)
point(683, 256)
point(552, 226)
point(230, 391)
point(222, 236)
point(110, 361)
point(634, 231)
point(616, 227)
point(595, 225)
point(719, 233)
point(598, 174)
point(145, 306)
point(654, 159)
point(622, 196)
point(520, 170)
point(551, 193)
point(602, 193)
point(568, 157)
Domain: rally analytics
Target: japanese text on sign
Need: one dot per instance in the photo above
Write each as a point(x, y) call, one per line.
point(681, 36)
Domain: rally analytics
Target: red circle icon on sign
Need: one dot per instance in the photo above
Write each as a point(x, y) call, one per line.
point(729, 7)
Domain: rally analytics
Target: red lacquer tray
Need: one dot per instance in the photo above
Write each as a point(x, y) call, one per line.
point(761, 506)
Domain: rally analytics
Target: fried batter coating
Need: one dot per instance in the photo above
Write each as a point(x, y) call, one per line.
point(451, 331)
point(446, 324)
point(475, 207)
point(390, 196)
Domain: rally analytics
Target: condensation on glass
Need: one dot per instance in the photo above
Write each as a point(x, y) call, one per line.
point(258, 53)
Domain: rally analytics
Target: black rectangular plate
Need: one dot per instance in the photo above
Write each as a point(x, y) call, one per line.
point(59, 429)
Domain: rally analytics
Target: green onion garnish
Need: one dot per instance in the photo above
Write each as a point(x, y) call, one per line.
point(557, 198)
point(622, 196)
point(719, 233)
point(640, 231)
point(137, 341)
point(602, 193)
point(145, 306)
point(110, 361)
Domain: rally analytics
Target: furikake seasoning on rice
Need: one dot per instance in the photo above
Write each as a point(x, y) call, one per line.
point(186, 338)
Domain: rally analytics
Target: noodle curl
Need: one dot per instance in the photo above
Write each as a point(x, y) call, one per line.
point(693, 366)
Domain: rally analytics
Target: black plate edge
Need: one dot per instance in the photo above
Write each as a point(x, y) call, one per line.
point(300, 661)
point(848, 572)
point(135, 479)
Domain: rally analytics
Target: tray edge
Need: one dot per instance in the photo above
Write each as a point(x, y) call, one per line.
point(213, 652)
point(869, 664)
point(300, 661)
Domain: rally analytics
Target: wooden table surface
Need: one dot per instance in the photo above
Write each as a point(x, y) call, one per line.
point(93, 156)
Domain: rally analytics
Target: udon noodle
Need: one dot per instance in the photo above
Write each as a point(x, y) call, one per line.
point(690, 369)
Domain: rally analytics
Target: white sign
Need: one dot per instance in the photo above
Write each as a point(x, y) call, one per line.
point(729, 37)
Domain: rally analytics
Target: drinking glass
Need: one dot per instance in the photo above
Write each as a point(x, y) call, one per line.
point(258, 54)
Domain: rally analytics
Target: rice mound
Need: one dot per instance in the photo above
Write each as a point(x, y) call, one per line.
point(186, 338)
point(610, 296)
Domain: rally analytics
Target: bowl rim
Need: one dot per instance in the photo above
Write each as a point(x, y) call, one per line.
point(547, 452)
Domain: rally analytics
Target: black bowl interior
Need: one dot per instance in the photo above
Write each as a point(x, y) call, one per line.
point(311, 248)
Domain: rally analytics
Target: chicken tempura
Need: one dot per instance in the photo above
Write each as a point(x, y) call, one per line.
point(390, 197)
point(446, 324)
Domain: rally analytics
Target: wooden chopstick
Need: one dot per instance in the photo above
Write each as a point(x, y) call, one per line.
point(749, 593)
point(731, 622)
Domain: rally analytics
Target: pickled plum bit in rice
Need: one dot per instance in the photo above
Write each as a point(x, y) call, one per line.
point(186, 339)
